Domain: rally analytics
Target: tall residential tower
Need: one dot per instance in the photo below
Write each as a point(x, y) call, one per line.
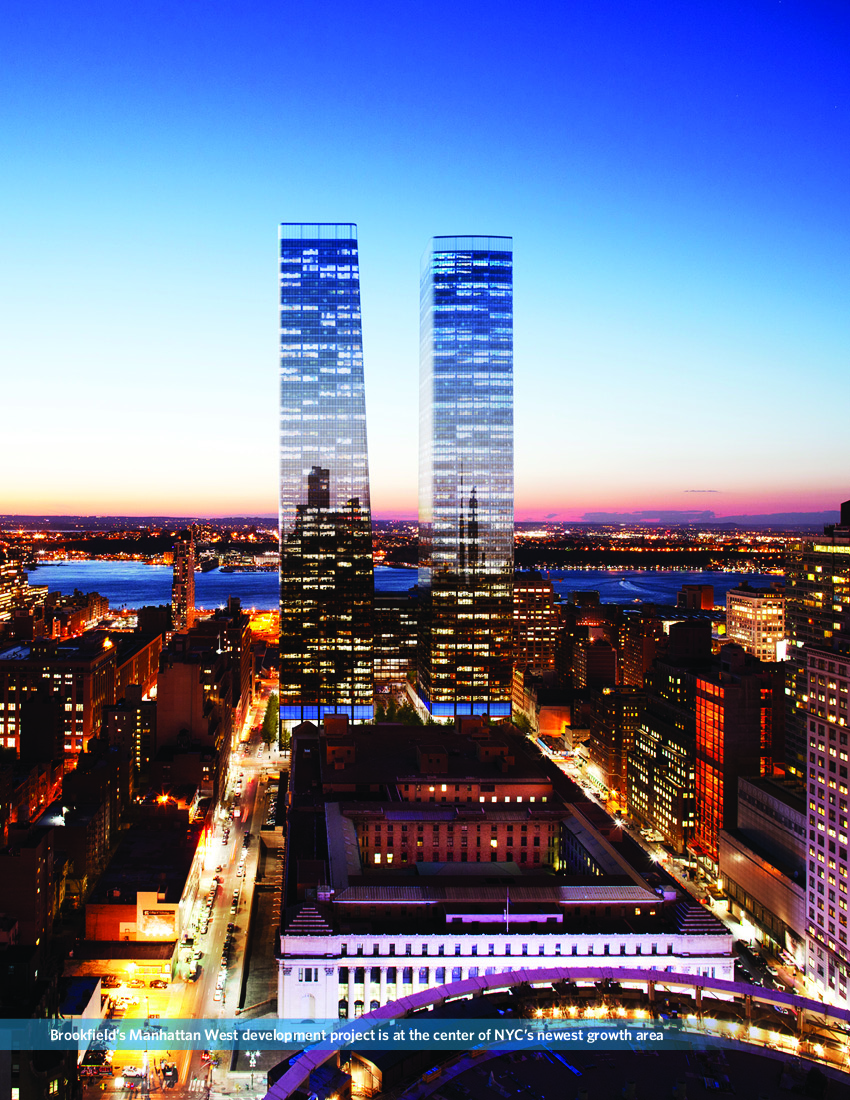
point(326, 579)
point(183, 581)
point(466, 506)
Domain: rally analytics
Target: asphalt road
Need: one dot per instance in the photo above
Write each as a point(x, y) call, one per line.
point(197, 1000)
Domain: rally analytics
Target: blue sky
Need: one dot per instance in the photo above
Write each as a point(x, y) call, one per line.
point(675, 177)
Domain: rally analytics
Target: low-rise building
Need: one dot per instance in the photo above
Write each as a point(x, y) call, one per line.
point(763, 864)
point(379, 901)
point(145, 893)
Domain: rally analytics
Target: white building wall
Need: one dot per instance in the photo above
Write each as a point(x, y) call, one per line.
point(310, 966)
point(828, 867)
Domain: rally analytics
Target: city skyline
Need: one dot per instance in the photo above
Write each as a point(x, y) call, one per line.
point(674, 182)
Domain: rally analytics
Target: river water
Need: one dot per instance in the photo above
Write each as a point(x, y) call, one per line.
point(135, 584)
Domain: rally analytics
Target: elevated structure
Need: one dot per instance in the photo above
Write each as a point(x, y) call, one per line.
point(719, 1010)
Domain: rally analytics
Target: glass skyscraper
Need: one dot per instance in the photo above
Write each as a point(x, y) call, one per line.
point(466, 506)
point(326, 578)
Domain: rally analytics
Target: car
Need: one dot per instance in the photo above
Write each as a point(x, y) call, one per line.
point(132, 1071)
point(136, 983)
point(217, 995)
point(158, 983)
point(239, 871)
point(109, 981)
point(219, 869)
point(231, 927)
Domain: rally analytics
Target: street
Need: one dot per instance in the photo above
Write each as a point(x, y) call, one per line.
point(758, 966)
point(228, 864)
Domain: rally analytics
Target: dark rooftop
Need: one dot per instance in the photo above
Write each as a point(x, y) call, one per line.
point(149, 859)
point(388, 752)
point(125, 949)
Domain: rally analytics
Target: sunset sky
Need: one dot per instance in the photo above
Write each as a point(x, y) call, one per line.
point(674, 175)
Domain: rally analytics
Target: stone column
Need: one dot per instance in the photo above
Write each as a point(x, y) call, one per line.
point(280, 1010)
point(383, 994)
point(330, 988)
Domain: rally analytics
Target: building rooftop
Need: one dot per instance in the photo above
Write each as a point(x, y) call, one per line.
point(390, 753)
point(145, 950)
point(78, 994)
point(789, 791)
point(149, 859)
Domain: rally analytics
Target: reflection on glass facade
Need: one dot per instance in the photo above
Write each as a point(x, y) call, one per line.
point(326, 580)
point(466, 507)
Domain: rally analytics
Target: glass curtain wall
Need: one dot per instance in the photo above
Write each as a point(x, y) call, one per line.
point(326, 577)
point(466, 521)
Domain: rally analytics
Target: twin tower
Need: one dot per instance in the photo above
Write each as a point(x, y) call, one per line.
point(466, 520)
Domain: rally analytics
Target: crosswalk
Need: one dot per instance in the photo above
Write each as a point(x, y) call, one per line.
point(197, 1084)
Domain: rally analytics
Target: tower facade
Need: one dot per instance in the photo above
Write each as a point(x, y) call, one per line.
point(183, 581)
point(817, 615)
point(326, 578)
point(466, 520)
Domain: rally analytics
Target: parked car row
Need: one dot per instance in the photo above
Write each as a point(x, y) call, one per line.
point(206, 912)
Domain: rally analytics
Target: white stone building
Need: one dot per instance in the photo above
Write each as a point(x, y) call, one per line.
point(327, 976)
